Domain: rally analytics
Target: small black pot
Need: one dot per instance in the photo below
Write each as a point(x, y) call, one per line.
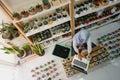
point(45, 22)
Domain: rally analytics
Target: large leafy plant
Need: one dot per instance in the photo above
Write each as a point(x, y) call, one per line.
point(38, 49)
point(11, 50)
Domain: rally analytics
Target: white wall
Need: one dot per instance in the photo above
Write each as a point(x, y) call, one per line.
point(6, 72)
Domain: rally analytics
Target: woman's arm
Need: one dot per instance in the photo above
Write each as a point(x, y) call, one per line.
point(89, 46)
point(77, 51)
point(75, 47)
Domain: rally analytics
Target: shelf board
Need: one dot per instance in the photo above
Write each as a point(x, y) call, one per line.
point(95, 27)
point(96, 9)
point(44, 27)
point(28, 58)
point(97, 20)
point(59, 41)
point(43, 12)
point(54, 36)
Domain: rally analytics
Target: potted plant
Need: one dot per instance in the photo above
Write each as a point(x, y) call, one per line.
point(15, 33)
point(24, 13)
point(64, 14)
point(104, 2)
point(49, 78)
point(27, 48)
point(32, 10)
point(26, 27)
point(31, 22)
point(38, 8)
point(39, 23)
point(55, 2)
point(16, 16)
point(4, 31)
point(96, 3)
point(53, 18)
point(50, 21)
point(37, 49)
point(14, 50)
point(58, 10)
point(45, 22)
point(54, 14)
point(59, 15)
point(46, 4)
point(8, 31)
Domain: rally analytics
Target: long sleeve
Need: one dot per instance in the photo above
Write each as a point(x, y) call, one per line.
point(89, 45)
point(75, 46)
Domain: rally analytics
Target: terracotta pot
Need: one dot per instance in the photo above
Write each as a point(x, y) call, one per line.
point(17, 18)
point(24, 15)
point(55, 3)
point(38, 9)
point(32, 12)
point(47, 6)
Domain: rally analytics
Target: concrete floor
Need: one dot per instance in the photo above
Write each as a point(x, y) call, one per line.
point(106, 71)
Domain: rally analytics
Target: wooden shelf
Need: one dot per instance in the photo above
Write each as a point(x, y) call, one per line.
point(54, 36)
point(109, 21)
point(55, 23)
point(28, 58)
point(43, 12)
point(97, 20)
point(59, 41)
point(96, 9)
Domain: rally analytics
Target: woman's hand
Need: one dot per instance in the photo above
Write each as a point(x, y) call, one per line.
point(80, 56)
point(80, 47)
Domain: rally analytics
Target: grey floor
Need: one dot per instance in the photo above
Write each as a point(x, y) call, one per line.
point(107, 71)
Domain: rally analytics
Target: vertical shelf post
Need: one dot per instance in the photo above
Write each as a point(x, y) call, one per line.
point(72, 21)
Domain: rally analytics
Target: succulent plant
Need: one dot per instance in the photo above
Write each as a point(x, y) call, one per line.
point(31, 9)
point(16, 14)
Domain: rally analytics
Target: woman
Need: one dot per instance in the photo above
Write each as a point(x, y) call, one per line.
point(81, 40)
